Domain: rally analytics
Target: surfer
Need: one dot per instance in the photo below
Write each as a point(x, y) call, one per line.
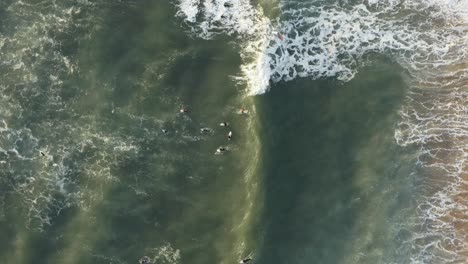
point(243, 111)
point(224, 124)
point(204, 130)
point(164, 131)
point(220, 150)
point(43, 154)
point(245, 260)
point(227, 5)
point(184, 110)
point(281, 37)
point(145, 260)
point(229, 135)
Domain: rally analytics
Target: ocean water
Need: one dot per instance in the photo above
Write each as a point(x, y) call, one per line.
point(352, 150)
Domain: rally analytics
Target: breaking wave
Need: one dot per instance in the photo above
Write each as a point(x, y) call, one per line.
point(328, 39)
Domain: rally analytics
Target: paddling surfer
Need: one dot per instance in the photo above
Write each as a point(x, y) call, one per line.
point(220, 150)
point(243, 111)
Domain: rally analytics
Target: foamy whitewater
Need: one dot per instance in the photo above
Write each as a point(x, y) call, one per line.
point(43, 172)
point(334, 40)
point(66, 149)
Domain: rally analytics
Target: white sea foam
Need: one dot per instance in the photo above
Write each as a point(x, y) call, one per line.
point(30, 92)
point(435, 118)
point(165, 254)
point(452, 11)
point(238, 18)
point(221, 17)
point(29, 48)
point(331, 40)
point(189, 9)
point(324, 41)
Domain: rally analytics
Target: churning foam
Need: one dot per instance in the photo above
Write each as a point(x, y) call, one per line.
point(435, 118)
point(238, 18)
point(35, 118)
point(323, 39)
point(209, 18)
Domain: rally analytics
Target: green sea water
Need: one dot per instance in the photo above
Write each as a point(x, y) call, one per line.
point(312, 174)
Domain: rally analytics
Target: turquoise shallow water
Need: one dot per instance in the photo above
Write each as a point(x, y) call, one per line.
point(97, 164)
